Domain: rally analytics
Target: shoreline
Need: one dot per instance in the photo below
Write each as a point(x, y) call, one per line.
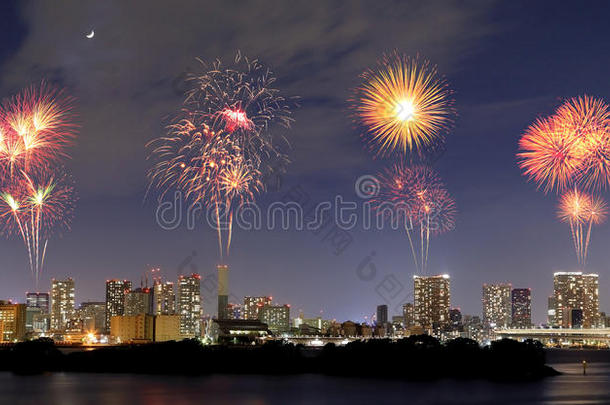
point(422, 358)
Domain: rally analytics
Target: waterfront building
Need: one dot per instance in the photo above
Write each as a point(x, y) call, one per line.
point(132, 328)
point(115, 298)
point(254, 305)
point(12, 320)
point(164, 298)
point(277, 317)
point(551, 310)
point(138, 301)
point(93, 316)
point(521, 304)
point(575, 290)
point(62, 303)
point(432, 301)
point(167, 327)
point(497, 309)
point(189, 304)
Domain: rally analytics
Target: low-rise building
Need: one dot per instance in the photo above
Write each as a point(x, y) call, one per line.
point(167, 327)
point(13, 320)
point(132, 328)
point(277, 317)
point(238, 331)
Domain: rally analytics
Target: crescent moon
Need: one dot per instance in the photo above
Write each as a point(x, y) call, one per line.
point(91, 34)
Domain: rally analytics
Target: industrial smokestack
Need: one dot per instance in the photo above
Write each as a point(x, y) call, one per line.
point(223, 290)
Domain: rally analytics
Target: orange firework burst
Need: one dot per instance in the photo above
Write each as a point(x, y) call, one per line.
point(598, 211)
point(572, 147)
point(588, 119)
point(35, 128)
point(584, 114)
point(239, 181)
point(550, 154)
point(574, 207)
point(403, 104)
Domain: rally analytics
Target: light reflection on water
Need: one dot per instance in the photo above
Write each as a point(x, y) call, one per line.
point(116, 389)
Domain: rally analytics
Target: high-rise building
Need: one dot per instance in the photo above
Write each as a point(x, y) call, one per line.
point(189, 304)
point(12, 318)
point(93, 316)
point(575, 290)
point(138, 302)
point(62, 303)
point(382, 315)
point(497, 310)
point(115, 298)
point(432, 301)
point(408, 313)
point(590, 310)
point(164, 298)
point(38, 300)
point(254, 305)
point(521, 303)
point(277, 317)
point(551, 310)
point(37, 309)
point(223, 290)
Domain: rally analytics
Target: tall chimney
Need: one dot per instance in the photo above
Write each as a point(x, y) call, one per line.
point(223, 290)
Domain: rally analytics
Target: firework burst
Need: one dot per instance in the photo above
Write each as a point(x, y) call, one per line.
point(36, 199)
point(571, 147)
point(570, 150)
point(35, 206)
point(416, 197)
point(403, 105)
point(220, 144)
point(241, 100)
point(550, 154)
point(35, 128)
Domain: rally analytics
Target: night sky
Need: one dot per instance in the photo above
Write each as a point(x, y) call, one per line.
point(508, 63)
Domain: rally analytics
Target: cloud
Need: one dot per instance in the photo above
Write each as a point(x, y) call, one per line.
point(125, 78)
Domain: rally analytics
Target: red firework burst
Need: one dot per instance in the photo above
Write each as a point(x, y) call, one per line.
point(36, 126)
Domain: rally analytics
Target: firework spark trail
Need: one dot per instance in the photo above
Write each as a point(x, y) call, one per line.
point(403, 105)
point(408, 229)
point(34, 206)
point(581, 211)
point(597, 212)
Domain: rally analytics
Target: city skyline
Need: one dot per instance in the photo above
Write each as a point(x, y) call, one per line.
point(505, 231)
